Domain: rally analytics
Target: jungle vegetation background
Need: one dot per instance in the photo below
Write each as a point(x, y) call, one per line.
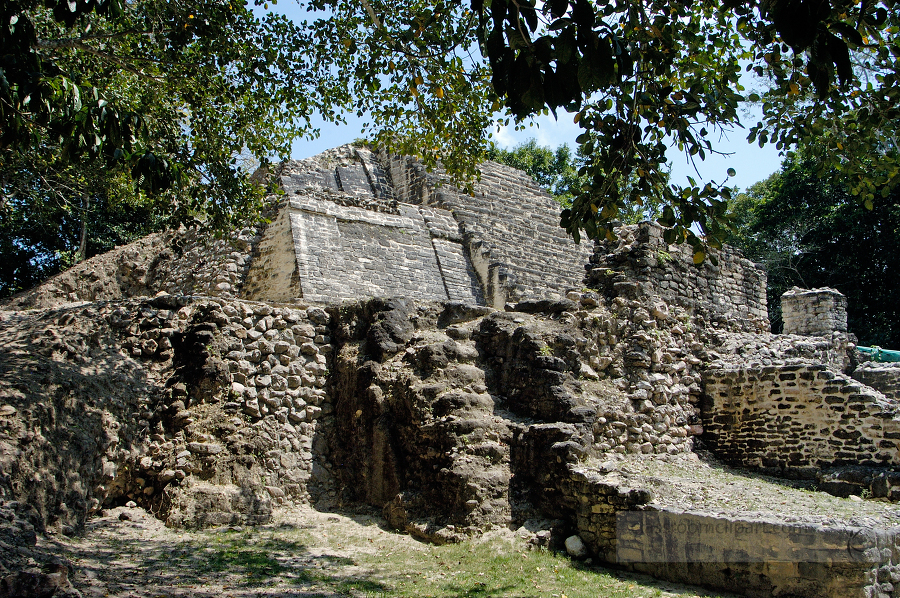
point(120, 117)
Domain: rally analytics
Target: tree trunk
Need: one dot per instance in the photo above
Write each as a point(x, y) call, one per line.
point(82, 245)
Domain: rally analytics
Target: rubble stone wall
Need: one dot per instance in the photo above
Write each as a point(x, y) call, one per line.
point(461, 402)
point(184, 262)
point(730, 294)
point(797, 418)
point(204, 411)
point(814, 312)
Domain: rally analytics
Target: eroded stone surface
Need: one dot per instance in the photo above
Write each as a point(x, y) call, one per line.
point(487, 389)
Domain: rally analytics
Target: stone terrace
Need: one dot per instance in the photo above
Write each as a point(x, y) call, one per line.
point(469, 393)
point(510, 227)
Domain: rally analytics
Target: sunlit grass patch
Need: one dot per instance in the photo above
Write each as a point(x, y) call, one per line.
point(502, 568)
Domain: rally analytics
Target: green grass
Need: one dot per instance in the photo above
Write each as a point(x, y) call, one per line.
point(230, 551)
point(383, 567)
point(491, 569)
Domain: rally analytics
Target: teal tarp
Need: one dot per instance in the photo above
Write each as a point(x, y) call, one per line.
point(878, 354)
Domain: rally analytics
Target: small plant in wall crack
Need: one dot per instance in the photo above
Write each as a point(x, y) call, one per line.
point(546, 350)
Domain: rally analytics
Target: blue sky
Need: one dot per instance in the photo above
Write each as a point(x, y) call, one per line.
point(750, 162)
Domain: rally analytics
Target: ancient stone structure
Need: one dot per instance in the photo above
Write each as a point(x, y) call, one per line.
point(814, 312)
point(729, 294)
point(884, 377)
point(359, 226)
point(450, 358)
point(798, 417)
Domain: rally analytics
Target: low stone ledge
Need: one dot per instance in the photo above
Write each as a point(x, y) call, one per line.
point(759, 557)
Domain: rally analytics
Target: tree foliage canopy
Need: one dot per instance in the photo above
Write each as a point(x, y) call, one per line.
point(144, 112)
point(172, 92)
point(809, 231)
point(641, 75)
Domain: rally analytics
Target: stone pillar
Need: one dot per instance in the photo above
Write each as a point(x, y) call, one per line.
point(814, 312)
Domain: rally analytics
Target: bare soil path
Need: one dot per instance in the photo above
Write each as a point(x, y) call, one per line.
point(127, 553)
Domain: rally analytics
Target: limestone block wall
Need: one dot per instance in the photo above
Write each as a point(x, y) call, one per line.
point(597, 503)
point(341, 234)
point(814, 312)
point(347, 252)
point(797, 418)
point(759, 557)
point(883, 377)
point(510, 227)
point(349, 175)
point(273, 273)
point(741, 349)
point(730, 295)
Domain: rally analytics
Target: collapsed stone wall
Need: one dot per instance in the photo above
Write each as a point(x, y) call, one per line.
point(182, 262)
point(202, 410)
point(730, 294)
point(883, 377)
point(206, 410)
point(797, 418)
point(738, 349)
point(785, 404)
point(443, 411)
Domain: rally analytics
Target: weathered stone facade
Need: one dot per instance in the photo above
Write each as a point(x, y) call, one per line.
point(760, 557)
point(813, 312)
point(883, 377)
point(351, 239)
point(390, 340)
point(183, 262)
point(362, 225)
point(509, 226)
point(730, 294)
point(200, 386)
point(797, 418)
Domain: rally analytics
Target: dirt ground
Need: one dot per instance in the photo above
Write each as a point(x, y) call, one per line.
point(127, 553)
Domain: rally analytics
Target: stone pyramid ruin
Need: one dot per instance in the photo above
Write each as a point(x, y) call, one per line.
point(455, 360)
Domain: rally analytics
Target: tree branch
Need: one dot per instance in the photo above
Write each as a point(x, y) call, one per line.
point(76, 44)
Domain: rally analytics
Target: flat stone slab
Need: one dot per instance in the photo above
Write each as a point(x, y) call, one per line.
point(691, 484)
point(750, 533)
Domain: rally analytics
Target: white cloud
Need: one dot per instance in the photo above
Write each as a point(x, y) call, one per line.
point(546, 130)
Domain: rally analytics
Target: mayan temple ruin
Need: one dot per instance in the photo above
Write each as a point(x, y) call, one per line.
point(458, 362)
